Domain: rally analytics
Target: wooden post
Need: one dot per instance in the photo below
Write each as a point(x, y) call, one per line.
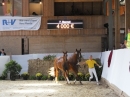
point(110, 27)
point(127, 15)
point(25, 8)
point(48, 7)
point(117, 24)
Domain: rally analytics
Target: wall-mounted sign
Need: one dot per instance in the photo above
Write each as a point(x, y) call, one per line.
point(19, 23)
point(65, 24)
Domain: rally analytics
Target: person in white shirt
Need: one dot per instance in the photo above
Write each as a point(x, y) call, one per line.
point(2, 52)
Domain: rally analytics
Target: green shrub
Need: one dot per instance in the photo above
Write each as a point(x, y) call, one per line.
point(0, 78)
point(50, 77)
point(4, 74)
point(87, 77)
point(49, 57)
point(61, 78)
point(44, 77)
point(71, 76)
point(32, 77)
point(14, 68)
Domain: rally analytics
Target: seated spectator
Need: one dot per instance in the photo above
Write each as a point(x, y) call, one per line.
point(2, 52)
point(34, 13)
point(122, 45)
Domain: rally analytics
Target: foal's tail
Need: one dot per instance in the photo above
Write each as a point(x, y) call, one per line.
point(51, 71)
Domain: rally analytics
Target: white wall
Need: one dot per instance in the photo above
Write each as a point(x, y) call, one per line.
point(118, 73)
point(23, 59)
point(3, 61)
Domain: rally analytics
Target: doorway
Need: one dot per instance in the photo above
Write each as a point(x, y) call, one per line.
point(25, 46)
point(104, 44)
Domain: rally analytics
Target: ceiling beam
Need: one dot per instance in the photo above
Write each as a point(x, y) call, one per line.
point(78, 0)
point(105, 0)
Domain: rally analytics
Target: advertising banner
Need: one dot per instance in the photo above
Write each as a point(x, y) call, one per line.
point(19, 23)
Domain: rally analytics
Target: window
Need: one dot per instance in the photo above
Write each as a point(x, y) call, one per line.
point(36, 7)
point(10, 7)
point(17, 7)
point(77, 8)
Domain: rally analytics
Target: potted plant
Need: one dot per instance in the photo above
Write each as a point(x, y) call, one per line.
point(38, 76)
point(25, 75)
point(32, 77)
point(50, 77)
point(87, 77)
point(44, 77)
point(14, 68)
point(80, 75)
point(71, 76)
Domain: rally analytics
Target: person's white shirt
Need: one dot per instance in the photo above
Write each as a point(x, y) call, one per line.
point(2, 54)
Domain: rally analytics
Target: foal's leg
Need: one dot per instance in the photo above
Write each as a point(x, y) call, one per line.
point(55, 73)
point(56, 77)
point(66, 76)
point(77, 77)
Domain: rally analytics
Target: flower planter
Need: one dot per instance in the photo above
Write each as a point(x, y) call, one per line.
point(25, 78)
point(39, 78)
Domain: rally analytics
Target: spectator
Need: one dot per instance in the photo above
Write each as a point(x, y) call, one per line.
point(127, 39)
point(122, 45)
point(34, 13)
point(2, 52)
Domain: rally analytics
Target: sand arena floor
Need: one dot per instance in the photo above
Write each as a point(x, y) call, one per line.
point(35, 88)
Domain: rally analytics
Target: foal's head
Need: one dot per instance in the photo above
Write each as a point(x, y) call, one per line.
point(65, 56)
point(79, 56)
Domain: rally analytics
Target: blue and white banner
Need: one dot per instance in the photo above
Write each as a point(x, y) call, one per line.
point(19, 23)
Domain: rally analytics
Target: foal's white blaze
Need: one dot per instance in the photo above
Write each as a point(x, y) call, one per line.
point(79, 55)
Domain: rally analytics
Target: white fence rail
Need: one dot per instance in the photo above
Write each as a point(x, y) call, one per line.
point(119, 71)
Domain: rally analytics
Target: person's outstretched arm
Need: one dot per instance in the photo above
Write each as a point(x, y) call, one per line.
point(98, 64)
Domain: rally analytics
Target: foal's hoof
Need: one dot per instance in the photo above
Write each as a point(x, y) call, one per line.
point(56, 82)
point(81, 83)
point(68, 83)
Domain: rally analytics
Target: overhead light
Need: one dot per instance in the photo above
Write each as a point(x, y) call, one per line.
point(40, 2)
point(122, 2)
point(3, 2)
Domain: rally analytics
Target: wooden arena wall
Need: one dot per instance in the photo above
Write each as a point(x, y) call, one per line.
point(52, 41)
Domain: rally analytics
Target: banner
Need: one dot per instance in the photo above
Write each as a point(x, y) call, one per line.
point(19, 23)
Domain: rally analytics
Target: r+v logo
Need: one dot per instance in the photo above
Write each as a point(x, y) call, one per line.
point(8, 22)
